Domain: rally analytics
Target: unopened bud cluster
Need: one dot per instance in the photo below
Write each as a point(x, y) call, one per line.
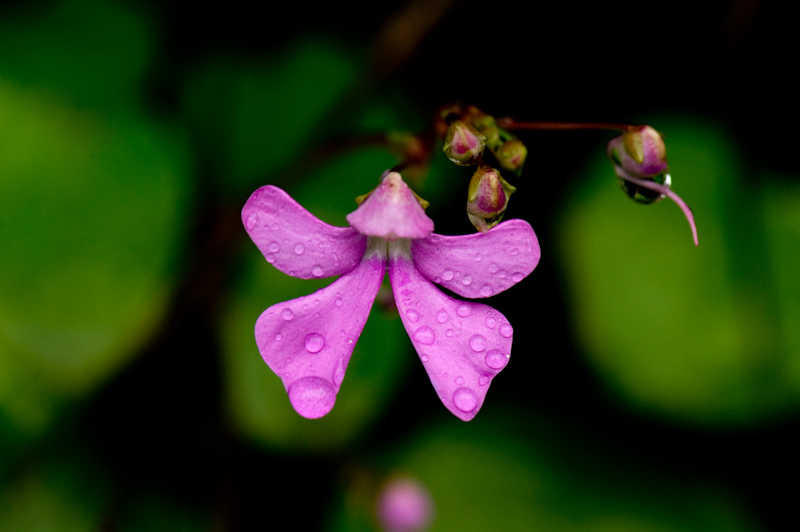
point(467, 133)
point(640, 153)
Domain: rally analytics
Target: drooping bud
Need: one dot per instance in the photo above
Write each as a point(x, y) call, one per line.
point(391, 211)
point(464, 144)
point(640, 153)
point(487, 198)
point(511, 156)
point(404, 505)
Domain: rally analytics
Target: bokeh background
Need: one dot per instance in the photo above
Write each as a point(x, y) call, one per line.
point(654, 386)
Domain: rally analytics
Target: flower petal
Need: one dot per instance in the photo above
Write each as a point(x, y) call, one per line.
point(295, 241)
point(308, 341)
point(391, 211)
point(480, 264)
point(462, 345)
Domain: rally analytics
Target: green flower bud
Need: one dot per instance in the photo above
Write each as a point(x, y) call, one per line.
point(464, 144)
point(511, 156)
point(487, 198)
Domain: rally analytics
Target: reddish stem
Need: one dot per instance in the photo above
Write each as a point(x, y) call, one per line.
point(511, 124)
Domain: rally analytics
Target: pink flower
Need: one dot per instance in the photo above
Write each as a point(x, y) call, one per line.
point(308, 341)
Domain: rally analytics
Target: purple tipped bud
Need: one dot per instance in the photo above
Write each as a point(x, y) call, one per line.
point(464, 144)
point(487, 198)
point(511, 156)
point(405, 505)
point(640, 152)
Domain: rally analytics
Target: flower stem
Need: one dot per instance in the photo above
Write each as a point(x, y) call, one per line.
point(687, 211)
point(511, 124)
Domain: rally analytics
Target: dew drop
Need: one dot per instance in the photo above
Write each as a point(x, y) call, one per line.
point(424, 358)
point(493, 268)
point(338, 373)
point(491, 322)
point(425, 335)
point(459, 380)
point(486, 290)
point(338, 302)
point(506, 330)
point(467, 280)
point(447, 275)
point(287, 314)
point(483, 381)
point(317, 271)
point(273, 247)
point(314, 342)
point(477, 343)
point(478, 257)
point(442, 316)
point(503, 274)
point(463, 310)
point(251, 222)
point(449, 333)
point(514, 252)
point(275, 227)
point(495, 359)
point(299, 249)
point(278, 337)
point(517, 277)
point(270, 257)
point(412, 315)
point(465, 399)
point(312, 397)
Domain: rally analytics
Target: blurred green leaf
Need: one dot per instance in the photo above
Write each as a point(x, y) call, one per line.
point(254, 117)
point(92, 52)
point(93, 210)
point(257, 399)
point(683, 332)
point(485, 476)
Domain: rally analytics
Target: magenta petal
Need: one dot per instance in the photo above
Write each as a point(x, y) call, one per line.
point(295, 241)
point(308, 341)
point(462, 345)
point(480, 264)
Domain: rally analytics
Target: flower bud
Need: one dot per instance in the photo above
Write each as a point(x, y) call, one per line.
point(487, 198)
point(405, 505)
point(511, 156)
point(464, 144)
point(640, 153)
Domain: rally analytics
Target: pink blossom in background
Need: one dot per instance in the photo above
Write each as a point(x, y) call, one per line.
point(404, 505)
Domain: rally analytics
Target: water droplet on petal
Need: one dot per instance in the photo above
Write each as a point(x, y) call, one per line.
point(477, 343)
point(317, 271)
point(495, 359)
point(314, 342)
point(447, 275)
point(338, 302)
point(287, 314)
point(463, 310)
point(442, 316)
point(483, 381)
point(412, 315)
point(299, 249)
point(517, 277)
point(490, 322)
point(424, 358)
point(270, 257)
point(338, 373)
point(425, 335)
point(478, 257)
point(514, 252)
point(486, 290)
point(312, 397)
point(493, 268)
point(506, 330)
point(278, 337)
point(465, 399)
point(503, 274)
point(251, 222)
point(459, 380)
point(467, 280)
point(449, 333)
point(273, 247)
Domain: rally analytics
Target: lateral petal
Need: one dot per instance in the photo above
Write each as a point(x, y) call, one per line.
point(308, 341)
point(481, 264)
point(295, 241)
point(462, 344)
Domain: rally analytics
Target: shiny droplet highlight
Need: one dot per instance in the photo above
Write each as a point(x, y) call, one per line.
point(465, 399)
point(312, 397)
point(314, 342)
point(495, 359)
point(425, 335)
point(477, 343)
